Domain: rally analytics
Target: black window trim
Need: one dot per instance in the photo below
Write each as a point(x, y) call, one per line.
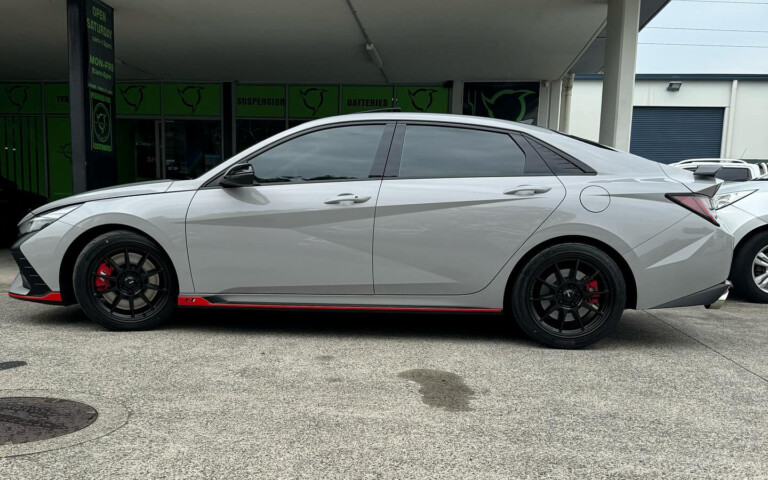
point(377, 168)
point(392, 171)
point(537, 144)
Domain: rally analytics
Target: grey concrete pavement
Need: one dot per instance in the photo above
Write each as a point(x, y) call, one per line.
point(670, 394)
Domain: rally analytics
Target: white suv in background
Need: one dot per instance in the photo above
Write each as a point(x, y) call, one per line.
point(732, 170)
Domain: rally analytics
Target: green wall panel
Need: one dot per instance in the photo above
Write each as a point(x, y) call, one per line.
point(138, 99)
point(192, 99)
point(260, 101)
point(360, 98)
point(308, 101)
point(59, 157)
point(423, 99)
point(56, 98)
point(20, 98)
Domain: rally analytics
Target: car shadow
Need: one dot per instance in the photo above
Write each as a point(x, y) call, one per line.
point(636, 328)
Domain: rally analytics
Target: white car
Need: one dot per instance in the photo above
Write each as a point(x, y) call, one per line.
point(731, 170)
point(743, 209)
point(393, 212)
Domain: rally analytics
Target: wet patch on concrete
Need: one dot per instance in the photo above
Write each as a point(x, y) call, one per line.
point(31, 419)
point(441, 389)
point(334, 380)
point(12, 364)
point(324, 358)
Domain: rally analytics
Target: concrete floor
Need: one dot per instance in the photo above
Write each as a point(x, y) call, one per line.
point(670, 394)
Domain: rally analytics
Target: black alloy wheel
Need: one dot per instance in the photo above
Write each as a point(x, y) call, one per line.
point(123, 281)
point(568, 296)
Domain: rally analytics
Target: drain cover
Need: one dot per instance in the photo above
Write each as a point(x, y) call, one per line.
point(29, 419)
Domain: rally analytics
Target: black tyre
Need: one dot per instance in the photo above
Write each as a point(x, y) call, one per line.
point(123, 281)
point(749, 271)
point(568, 296)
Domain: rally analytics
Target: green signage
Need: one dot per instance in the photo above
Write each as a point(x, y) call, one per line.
point(423, 99)
point(359, 99)
point(260, 101)
point(138, 99)
point(310, 101)
point(59, 158)
point(56, 98)
point(99, 22)
point(192, 99)
point(20, 98)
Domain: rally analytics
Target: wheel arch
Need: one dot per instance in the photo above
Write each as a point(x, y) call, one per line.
point(74, 249)
point(626, 271)
point(748, 236)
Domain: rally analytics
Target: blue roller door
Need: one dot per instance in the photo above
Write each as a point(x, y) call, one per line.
point(669, 134)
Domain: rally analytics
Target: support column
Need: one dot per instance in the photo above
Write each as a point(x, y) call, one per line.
point(619, 78)
point(457, 97)
point(565, 107)
point(555, 97)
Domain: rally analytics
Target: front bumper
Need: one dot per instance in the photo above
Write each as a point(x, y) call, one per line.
point(712, 297)
point(28, 285)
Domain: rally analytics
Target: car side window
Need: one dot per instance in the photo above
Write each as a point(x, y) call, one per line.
point(341, 153)
point(435, 152)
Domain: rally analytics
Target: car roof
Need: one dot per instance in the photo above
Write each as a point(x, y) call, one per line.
point(427, 117)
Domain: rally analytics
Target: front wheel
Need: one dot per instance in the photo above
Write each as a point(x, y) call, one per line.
point(568, 296)
point(123, 281)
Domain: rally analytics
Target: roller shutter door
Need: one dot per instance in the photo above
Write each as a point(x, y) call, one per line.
point(669, 134)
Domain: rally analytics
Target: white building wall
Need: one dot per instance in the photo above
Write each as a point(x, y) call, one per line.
point(750, 125)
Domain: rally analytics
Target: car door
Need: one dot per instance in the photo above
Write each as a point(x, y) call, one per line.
point(455, 205)
point(306, 228)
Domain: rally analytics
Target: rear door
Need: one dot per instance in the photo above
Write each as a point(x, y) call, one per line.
point(454, 206)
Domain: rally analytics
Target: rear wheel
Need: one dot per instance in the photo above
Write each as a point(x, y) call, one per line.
point(123, 281)
point(750, 268)
point(568, 296)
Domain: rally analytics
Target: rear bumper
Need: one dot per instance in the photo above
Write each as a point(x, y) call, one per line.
point(712, 297)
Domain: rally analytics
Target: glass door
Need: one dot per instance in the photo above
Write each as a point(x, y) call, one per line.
point(138, 150)
point(192, 147)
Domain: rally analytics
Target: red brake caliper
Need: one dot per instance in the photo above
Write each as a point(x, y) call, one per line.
point(102, 284)
point(592, 287)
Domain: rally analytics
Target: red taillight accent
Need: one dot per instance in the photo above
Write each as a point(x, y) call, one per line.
point(698, 204)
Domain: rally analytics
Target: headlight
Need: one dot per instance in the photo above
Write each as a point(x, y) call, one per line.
point(41, 221)
point(725, 199)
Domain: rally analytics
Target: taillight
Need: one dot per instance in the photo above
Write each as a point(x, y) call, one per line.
point(701, 205)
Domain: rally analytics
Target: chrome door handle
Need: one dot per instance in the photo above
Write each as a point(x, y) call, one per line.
point(526, 190)
point(347, 197)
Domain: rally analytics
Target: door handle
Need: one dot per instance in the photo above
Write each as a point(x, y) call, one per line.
point(347, 197)
point(526, 190)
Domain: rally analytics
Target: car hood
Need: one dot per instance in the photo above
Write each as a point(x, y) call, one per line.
point(131, 189)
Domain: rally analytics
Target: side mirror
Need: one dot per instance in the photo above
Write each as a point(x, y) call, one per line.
point(238, 176)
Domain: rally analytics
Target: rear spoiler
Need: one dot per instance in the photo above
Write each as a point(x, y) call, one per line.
point(707, 170)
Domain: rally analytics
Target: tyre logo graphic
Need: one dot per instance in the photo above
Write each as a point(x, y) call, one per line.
point(133, 96)
point(66, 150)
point(102, 123)
point(501, 101)
point(421, 98)
point(191, 97)
point(17, 95)
point(313, 98)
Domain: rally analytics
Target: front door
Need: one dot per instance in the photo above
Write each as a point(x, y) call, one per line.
point(463, 201)
point(306, 228)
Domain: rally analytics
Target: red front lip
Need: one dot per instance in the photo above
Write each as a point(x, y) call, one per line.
point(52, 297)
point(202, 302)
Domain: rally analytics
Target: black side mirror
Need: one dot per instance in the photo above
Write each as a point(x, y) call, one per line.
point(238, 176)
